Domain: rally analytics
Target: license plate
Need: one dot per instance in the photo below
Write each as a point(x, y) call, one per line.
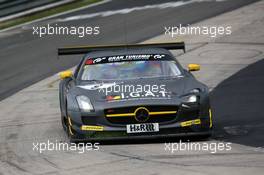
point(144, 127)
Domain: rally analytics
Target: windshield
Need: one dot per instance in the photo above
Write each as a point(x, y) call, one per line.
point(129, 70)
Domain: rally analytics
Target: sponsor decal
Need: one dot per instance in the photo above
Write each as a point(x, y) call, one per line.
point(97, 86)
point(89, 61)
point(134, 57)
point(147, 94)
point(145, 127)
point(138, 96)
point(110, 97)
point(190, 123)
point(92, 128)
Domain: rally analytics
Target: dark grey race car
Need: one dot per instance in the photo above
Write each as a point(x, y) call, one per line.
point(132, 91)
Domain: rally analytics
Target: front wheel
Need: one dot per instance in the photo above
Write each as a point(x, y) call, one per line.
point(63, 123)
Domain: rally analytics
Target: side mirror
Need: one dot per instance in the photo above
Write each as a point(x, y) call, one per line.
point(66, 74)
point(193, 67)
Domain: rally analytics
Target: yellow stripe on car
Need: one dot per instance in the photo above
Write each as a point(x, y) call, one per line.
point(92, 128)
point(162, 113)
point(133, 114)
point(120, 115)
point(69, 126)
point(190, 122)
point(210, 116)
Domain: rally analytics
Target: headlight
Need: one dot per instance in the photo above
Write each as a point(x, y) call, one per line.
point(84, 103)
point(190, 99)
point(195, 91)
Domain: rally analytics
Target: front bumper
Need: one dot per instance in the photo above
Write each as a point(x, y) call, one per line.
point(201, 134)
point(195, 127)
point(186, 123)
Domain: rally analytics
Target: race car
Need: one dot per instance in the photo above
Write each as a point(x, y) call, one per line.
point(132, 92)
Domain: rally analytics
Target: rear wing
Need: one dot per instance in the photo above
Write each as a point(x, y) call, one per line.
point(86, 49)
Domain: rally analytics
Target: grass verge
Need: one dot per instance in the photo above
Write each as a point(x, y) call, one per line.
point(31, 17)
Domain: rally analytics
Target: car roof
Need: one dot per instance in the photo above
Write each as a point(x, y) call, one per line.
point(127, 51)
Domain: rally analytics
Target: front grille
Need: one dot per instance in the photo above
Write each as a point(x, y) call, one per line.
point(87, 120)
point(157, 114)
point(185, 115)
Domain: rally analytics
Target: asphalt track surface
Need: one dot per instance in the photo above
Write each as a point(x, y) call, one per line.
point(242, 106)
point(12, 7)
point(31, 63)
